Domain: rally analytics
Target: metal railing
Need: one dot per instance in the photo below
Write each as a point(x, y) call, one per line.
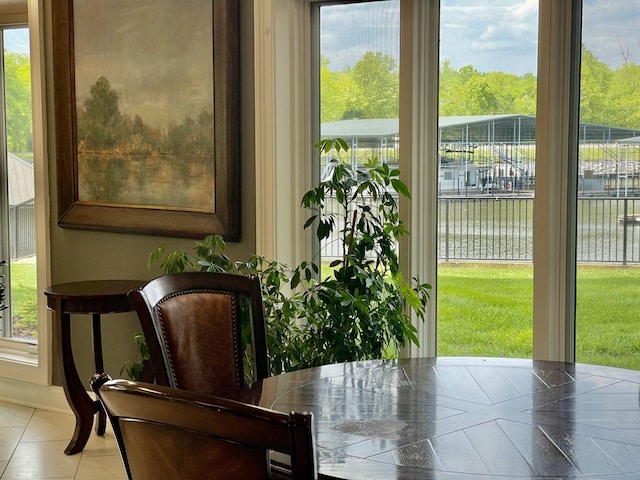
point(500, 228)
point(485, 228)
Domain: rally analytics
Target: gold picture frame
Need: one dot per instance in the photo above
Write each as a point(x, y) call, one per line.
point(116, 171)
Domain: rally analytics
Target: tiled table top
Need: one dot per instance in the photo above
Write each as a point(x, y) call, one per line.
point(467, 418)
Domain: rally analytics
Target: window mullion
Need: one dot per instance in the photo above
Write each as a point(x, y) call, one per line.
point(418, 124)
point(556, 163)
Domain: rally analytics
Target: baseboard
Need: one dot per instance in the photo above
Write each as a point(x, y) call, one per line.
point(45, 397)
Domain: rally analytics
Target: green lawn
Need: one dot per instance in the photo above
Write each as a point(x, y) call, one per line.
point(608, 316)
point(486, 310)
point(23, 299)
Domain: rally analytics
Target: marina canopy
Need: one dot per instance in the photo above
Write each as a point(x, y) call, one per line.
point(508, 128)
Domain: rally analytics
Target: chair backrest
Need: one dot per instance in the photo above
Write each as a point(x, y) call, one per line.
point(193, 326)
point(174, 434)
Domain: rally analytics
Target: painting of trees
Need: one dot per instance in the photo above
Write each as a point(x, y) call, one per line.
point(122, 160)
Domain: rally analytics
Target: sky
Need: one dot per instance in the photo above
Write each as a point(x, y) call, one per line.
point(16, 40)
point(487, 34)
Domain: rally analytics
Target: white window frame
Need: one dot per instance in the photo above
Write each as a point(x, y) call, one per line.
point(283, 90)
point(282, 105)
point(554, 213)
point(18, 370)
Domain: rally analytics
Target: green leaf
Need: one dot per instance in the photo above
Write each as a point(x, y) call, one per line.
point(295, 279)
point(342, 143)
point(155, 255)
point(310, 221)
point(401, 188)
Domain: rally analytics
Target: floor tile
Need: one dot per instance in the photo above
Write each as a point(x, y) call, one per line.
point(41, 460)
point(101, 468)
point(45, 426)
point(14, 415)
point(101, 445)
point(9, 438)
point(32, 444)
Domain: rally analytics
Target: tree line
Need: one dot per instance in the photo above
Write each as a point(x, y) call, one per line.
point(370, 89)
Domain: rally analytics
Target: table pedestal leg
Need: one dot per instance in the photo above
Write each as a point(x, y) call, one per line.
point(83, 406)
point(101, 424)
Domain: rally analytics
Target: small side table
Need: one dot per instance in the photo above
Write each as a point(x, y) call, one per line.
point(93, 297)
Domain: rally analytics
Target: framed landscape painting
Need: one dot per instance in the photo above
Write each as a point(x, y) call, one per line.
point(146, 109)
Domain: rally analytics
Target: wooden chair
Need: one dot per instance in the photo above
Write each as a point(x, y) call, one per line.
point(174, 434)
point(192, 323)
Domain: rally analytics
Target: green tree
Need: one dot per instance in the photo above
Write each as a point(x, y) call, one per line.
point(526, 95)
point(331, 93)
point(623, 98)
point(513, 93)
point(370, 90)
point(448, 83)
point(595, 82)
point(352, 96)
point(18, 102)
point(480, 98)
point(376, 77)
point(469, 92)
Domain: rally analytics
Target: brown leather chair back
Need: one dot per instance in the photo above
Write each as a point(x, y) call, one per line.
point(199, 327)
point(164, 433)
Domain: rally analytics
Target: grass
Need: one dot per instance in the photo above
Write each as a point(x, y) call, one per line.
point(23, 299)
point(486, 310)
point(608, 316)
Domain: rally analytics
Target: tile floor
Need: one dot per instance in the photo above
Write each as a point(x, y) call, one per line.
point(32, 444)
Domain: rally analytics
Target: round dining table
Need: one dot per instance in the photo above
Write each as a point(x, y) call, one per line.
point(467, 418)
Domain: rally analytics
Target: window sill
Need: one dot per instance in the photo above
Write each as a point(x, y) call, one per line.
point(18, 351)
point(19, 356)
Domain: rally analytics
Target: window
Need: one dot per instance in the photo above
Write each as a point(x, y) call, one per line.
point(359, 87)
point(487, 126)
point(17, 253)
point(608, 197)
point(289, 23)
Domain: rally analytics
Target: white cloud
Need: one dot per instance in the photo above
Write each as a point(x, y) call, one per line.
point(349, 31)
point(488, 34)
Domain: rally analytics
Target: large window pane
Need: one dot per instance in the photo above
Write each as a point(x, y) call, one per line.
point(488, 55)
point(17, 242)
point(359, 87)
point(608, 215)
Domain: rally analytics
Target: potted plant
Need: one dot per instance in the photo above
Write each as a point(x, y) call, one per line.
point(359, 308)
